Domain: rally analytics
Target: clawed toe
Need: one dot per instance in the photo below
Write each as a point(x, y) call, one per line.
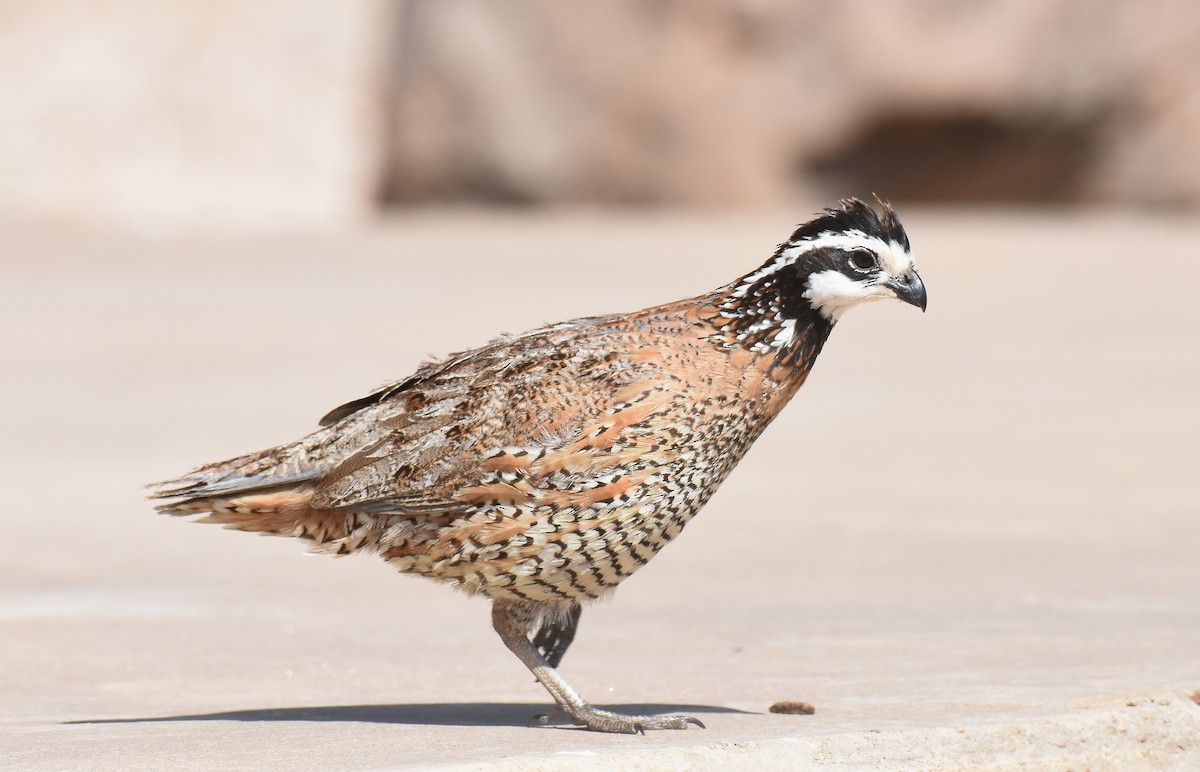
point(544, 719)
point(669, 722)
point(617, 723)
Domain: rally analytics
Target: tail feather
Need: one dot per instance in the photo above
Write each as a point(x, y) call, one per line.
point(283, 512)
point(195, 486)
point(296, 462)
point(268, 492)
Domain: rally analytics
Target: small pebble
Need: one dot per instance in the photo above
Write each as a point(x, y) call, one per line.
point(1196, 697)
point(791, 706)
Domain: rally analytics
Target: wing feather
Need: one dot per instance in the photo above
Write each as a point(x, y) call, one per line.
point(464, 440)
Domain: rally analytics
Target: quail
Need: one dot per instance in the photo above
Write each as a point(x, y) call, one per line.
point(543, 469)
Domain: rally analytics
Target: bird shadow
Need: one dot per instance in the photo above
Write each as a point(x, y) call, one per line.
point(421, 714)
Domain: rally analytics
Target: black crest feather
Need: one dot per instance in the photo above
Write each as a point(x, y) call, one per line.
point(851, 214)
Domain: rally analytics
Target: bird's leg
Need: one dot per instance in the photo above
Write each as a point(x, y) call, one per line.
point(514, 622)
point(555, 635)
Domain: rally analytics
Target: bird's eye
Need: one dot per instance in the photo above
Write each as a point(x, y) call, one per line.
point(862, 260)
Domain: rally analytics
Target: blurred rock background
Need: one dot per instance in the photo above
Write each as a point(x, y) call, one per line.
point(284, 113)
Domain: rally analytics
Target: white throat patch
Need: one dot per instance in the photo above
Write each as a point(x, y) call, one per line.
point(832, 293)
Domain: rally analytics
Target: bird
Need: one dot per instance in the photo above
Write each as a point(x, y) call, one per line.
point(541, 470)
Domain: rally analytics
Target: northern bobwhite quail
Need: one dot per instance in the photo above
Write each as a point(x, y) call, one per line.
point(543, 469)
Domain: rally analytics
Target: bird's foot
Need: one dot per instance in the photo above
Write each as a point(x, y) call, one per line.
point(618, 723)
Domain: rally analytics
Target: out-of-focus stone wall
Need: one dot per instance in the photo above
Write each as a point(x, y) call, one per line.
point(732, 101)
point(167, 113)
point(286, 112)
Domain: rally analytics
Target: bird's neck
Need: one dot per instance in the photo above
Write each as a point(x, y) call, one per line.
point(770, 317)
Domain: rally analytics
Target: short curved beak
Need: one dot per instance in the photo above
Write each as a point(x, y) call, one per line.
point(909, 288)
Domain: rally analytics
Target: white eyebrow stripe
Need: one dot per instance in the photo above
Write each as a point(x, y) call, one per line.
point(893, 257)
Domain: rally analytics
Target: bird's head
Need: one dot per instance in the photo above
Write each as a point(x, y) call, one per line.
point(847, 255)
point(851, 254)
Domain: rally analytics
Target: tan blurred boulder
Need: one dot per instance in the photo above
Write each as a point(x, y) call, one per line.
point(163, 114)
point(195, 112)
point(745, 101)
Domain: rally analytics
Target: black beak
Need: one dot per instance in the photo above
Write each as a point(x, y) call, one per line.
point(909, 288)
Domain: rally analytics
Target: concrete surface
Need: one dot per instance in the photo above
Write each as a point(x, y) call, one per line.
point(972, 542)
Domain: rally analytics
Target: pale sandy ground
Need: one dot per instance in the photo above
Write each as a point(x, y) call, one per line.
point(972, 542)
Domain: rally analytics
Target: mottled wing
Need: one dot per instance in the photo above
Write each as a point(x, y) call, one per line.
point(500, 425)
